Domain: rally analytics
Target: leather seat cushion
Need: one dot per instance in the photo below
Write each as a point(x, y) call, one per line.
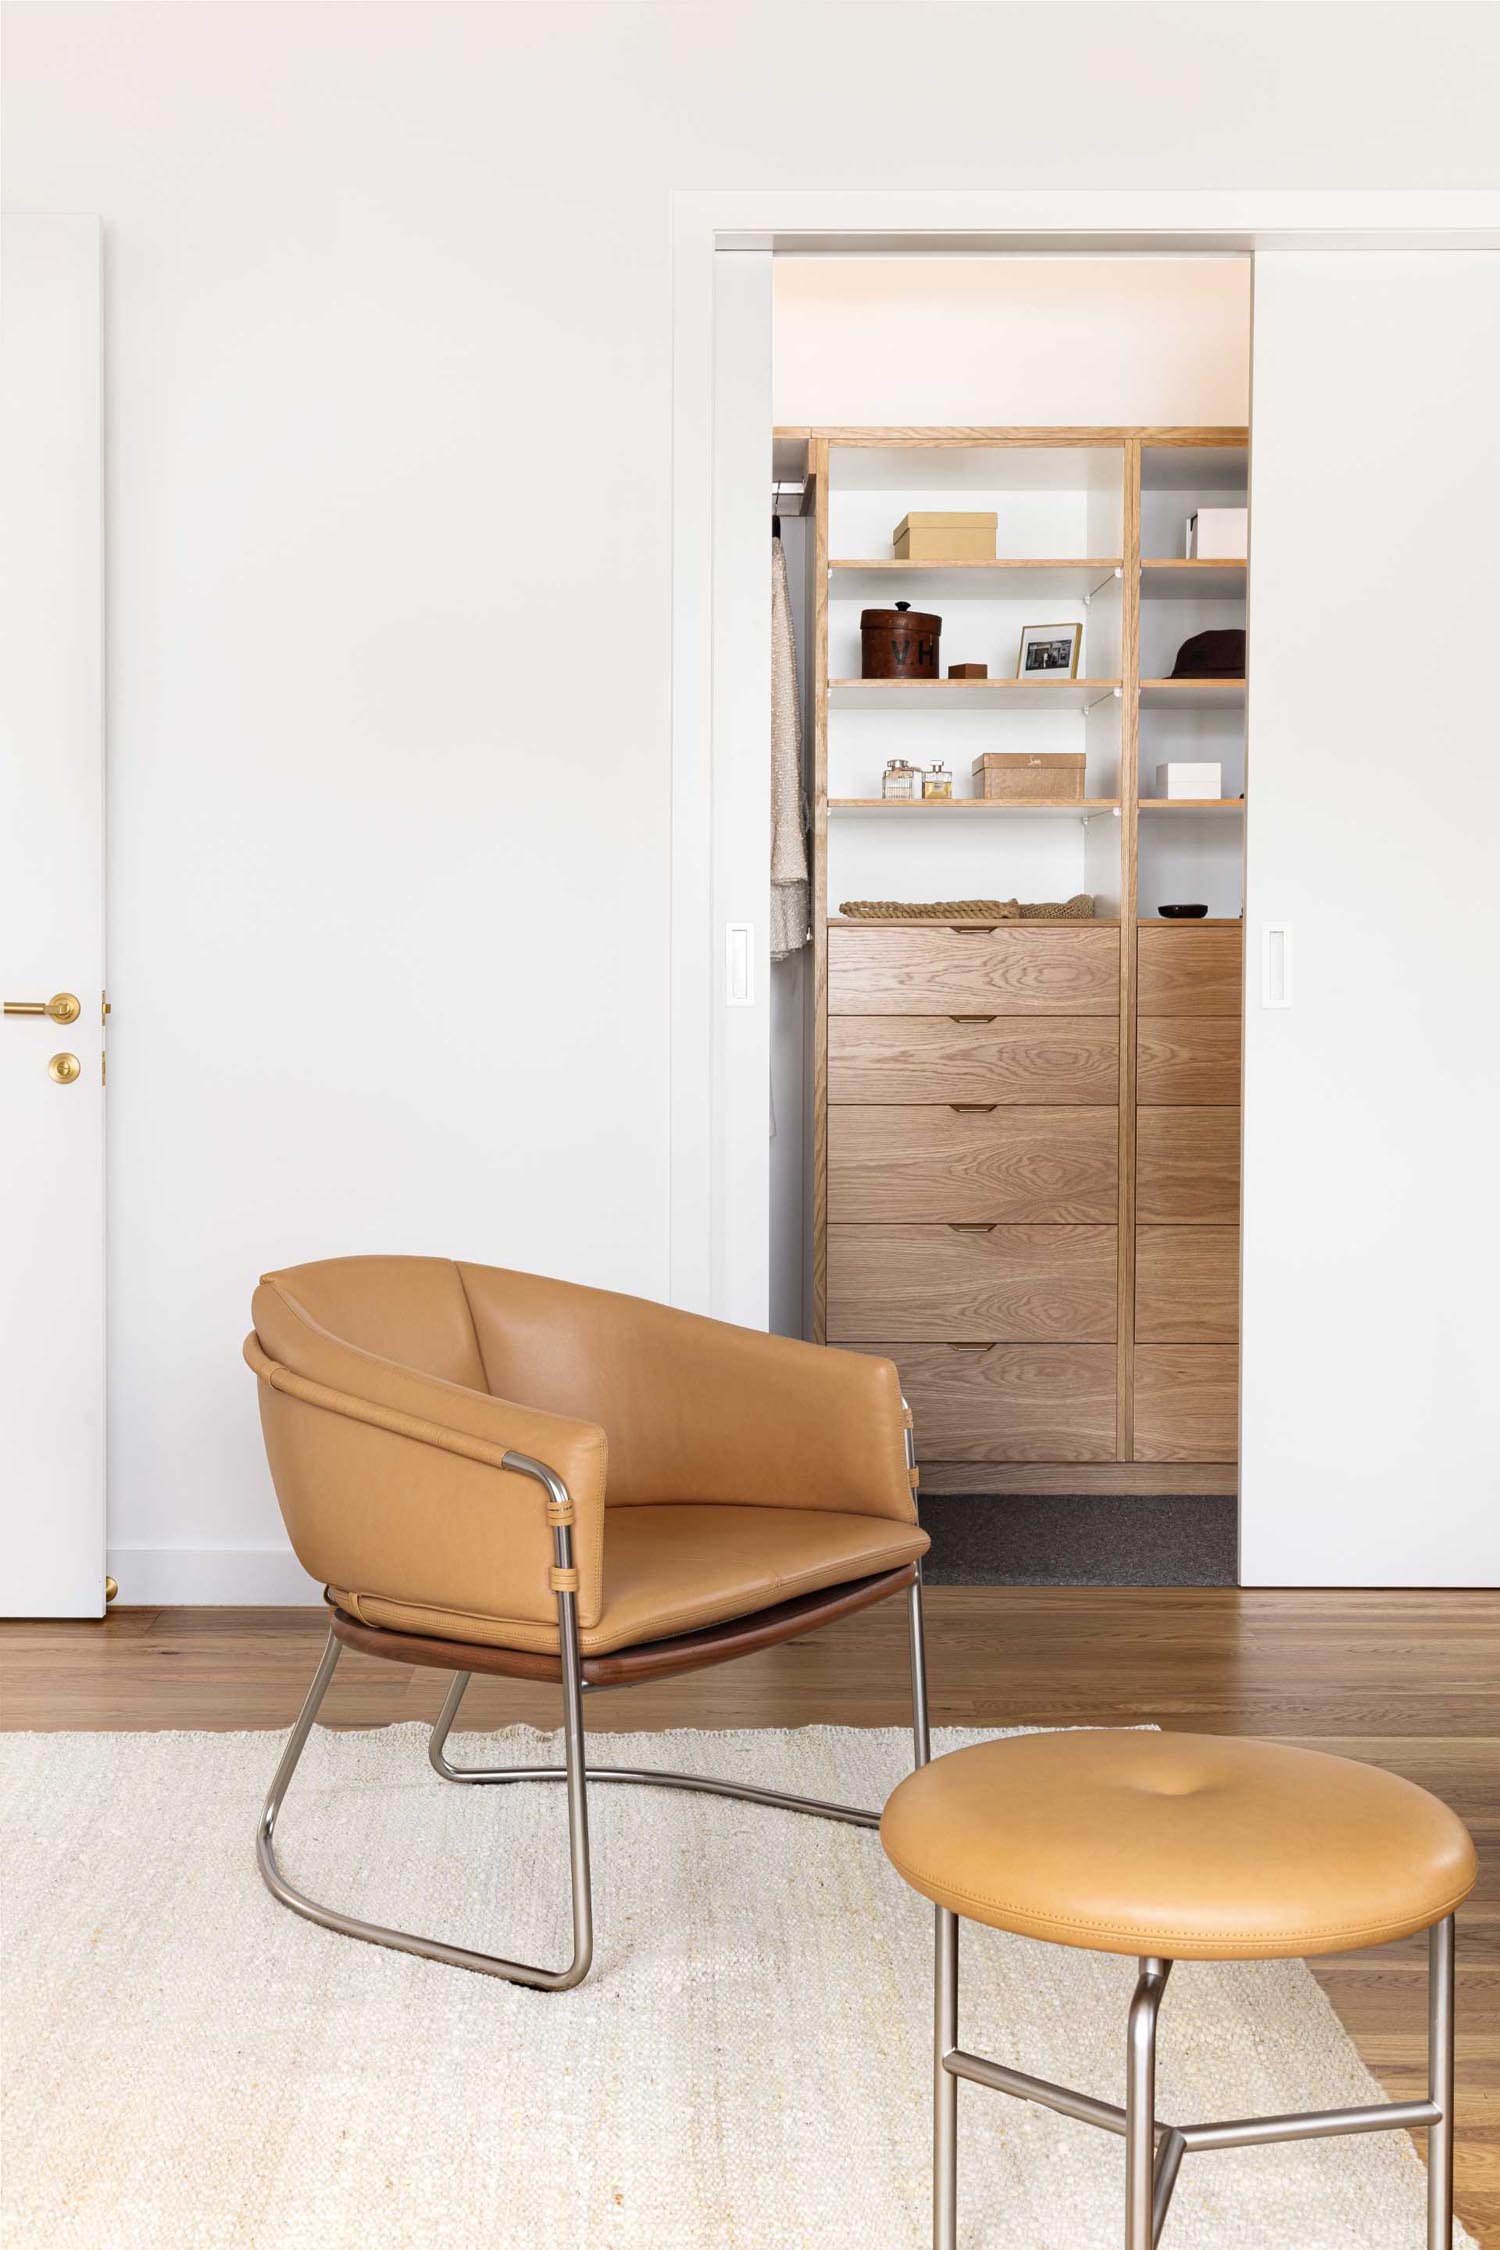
point(672, 1569)
point(1185, 1846)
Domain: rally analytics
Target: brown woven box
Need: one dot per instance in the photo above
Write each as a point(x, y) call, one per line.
point(1030, 777)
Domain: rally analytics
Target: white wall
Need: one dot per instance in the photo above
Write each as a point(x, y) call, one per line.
point(997, 340)
point(388, 382)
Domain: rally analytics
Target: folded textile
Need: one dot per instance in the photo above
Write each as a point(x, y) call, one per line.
point(1077, 909)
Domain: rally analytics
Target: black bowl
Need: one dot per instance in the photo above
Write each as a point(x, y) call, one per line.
point(1183, 913)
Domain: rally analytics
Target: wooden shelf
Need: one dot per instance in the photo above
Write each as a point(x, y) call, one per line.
point(1192, 695)
point(1045, 923)
point(1080, 808)
point(970, 695)
point(1064, 576)
point(1193, 804)
point(1169, 580)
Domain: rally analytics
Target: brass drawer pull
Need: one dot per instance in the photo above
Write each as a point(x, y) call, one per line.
point(972, 1109)
point(972, 1226)
point(973, 929)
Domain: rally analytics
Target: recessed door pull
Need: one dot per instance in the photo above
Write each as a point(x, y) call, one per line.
point(971, 1019)
point(972, 1347)
point(972, 1109)
point(972, 929)
point(973, 1226)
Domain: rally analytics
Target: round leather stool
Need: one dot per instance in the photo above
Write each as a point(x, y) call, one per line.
point(1179, 1847)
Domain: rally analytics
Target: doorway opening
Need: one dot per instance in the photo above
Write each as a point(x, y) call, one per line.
point(1012, 501)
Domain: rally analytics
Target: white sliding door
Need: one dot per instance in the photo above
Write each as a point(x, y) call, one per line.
point(1371, 1404)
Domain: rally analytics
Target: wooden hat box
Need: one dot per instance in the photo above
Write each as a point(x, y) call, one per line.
point(1030, 777)
point(950, 535)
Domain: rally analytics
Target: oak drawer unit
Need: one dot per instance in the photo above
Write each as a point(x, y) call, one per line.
point(1187, 1400)
point(1014, 1059)
point(1009, 1402)
point(1054, 1167)
point(1008, 969)
point(1190, 969)
point(1188, 1061)
point(1187, 1285)
point(979, 1283)
point(1187, 1167)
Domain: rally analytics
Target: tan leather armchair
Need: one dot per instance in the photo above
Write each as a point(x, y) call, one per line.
point(495, 1472)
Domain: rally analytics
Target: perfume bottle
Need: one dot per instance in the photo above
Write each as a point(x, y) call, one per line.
point(899, 783)
point(937, 781)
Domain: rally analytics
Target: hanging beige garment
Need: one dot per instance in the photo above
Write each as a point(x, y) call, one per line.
point(789, 924)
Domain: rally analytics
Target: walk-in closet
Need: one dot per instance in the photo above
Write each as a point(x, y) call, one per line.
point(1006, 1070)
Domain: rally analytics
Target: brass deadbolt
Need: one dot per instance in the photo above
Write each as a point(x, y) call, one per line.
point(64, 1068)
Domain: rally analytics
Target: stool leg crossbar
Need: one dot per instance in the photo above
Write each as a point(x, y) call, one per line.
point(575, 1772)
point(1154, 2151)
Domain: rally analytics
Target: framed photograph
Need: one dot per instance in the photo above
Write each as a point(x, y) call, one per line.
point(1049, 652)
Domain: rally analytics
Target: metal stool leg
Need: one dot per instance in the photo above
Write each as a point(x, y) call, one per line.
point(1140, 2106)
point(945, 2088)
point(1440, 2084)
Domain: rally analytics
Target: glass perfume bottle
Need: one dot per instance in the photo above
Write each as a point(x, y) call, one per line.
point(900, 781)
point(937, 781)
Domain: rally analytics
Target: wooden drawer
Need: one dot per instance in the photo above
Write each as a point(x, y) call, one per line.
point(1026, 1166)
point(1187, 1167)
point(954, 1059)
point(1190, 969)
point(1186, 1402)
point(1187, 1285)
point(1186, 1059)
point(1009, 1402)
point(1015, 969)
point(971, 1284)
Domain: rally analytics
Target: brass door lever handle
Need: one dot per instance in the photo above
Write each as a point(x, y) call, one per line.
point(63, 1007)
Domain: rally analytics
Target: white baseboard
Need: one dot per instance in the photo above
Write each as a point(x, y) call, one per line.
point(261, 1577)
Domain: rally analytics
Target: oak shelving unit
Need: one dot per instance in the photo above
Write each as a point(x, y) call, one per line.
point(1000, 1244)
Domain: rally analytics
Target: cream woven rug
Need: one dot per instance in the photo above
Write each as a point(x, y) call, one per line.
point(189, 2066)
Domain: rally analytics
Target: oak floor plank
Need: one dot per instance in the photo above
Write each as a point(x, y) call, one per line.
point(1409, 1681)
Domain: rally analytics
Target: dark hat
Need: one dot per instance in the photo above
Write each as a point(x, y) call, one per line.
point(1212, 656)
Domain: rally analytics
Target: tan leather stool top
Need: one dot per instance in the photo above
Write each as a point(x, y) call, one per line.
point(1184, 1846)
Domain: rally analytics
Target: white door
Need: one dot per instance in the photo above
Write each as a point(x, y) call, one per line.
point(1371, 1405)
point(52, 1550)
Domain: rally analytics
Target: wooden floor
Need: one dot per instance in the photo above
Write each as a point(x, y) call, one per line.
point(1409, 1681)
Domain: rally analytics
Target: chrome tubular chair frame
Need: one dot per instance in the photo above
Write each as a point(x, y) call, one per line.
point(575, 1772)
point(1154, 2151)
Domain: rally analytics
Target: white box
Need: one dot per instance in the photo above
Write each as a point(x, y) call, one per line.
point(1179, 779)
point(1218, 535)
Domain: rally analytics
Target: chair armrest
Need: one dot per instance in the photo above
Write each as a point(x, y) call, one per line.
point(394, 1483)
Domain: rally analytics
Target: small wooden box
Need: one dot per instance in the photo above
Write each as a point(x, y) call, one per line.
point(1030, 777)
point(964, 535)
point(968, 671)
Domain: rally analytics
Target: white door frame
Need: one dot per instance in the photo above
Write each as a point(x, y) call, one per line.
point(720, 415)
point(719, 1245)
